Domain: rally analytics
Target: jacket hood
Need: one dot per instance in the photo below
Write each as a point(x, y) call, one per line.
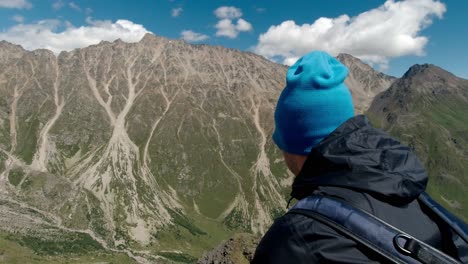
point(359, 157)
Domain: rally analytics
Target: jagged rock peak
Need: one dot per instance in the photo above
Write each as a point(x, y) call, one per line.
point(10, 51)
point(150, 38)
point(104, 42)
point(43, 53)
point(432, 80)
point(427, 70)
point(4, 43)
point(349, 60)
point(119, 41)
point(347, 57)
point(363, 81)
point(422, 82)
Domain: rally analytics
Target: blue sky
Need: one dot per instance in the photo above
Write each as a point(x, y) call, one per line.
point(391, 35)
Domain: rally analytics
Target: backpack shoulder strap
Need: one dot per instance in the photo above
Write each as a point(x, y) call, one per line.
point(458, 228)
point(384, 239)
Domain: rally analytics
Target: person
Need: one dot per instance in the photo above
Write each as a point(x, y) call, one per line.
point(334, 153)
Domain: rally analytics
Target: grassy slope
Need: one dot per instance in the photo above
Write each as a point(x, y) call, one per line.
point(438, 134)
point(27, 250)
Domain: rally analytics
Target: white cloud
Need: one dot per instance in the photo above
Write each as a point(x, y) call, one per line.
point(46, 34)
point(176, 11)
point(190, 36)
point(20, 4)
point(243, 25)
point(57, 5)
point(18, 18)
point(391, 30)
point(228, 12)
point(226, 27)
point(74, 6)
point(290, 60)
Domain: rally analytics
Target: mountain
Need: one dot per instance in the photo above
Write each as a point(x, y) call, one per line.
point(9, 52)
point(143, 152)
point(364, 82)
point(428, 110)
point(152, 145)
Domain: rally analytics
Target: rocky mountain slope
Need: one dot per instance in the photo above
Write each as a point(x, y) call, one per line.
point(428, 110)
point(364, 82)
point(140, 146)
point(239, 249)
point(149, 152)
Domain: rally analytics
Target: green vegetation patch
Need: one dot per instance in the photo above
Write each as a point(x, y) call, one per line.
point(3, 157)
point(34, 181)
point(27, 139)
point(68, 243)
point(15, 176)
point(438, 136)
point(186, 223)
point(12, 252)
point(277, 213)
point(178, 257)
point(235, 221)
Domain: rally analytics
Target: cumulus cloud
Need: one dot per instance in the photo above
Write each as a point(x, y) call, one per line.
point(228, 12)
point(243, 25)
point(57, 35)
point(191, 36)
point(391, 30)
point(18, 18)
point(226, 27)
point(20, 4)
point(176, 11)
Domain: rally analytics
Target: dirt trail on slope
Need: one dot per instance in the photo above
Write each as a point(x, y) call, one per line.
point(40, 157)
point(262, 169)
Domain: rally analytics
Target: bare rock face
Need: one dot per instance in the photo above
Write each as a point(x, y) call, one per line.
point(239, 249)
point(139, 145)
point(10, 52)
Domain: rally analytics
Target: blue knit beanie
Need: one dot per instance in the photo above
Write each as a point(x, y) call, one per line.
point(313, 104)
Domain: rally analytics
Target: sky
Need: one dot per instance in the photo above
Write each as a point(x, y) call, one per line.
point(389, 35)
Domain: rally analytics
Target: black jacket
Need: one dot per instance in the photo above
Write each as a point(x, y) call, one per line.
point(370, 170)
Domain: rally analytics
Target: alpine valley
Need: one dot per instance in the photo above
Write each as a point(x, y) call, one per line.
point(156, 151)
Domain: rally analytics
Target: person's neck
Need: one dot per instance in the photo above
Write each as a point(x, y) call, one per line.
point(294, 162)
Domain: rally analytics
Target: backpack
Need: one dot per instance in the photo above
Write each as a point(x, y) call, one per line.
point(382, 238)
